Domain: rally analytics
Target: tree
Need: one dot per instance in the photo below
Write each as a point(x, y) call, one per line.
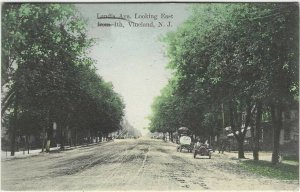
point(241, 56)
point(53, 74)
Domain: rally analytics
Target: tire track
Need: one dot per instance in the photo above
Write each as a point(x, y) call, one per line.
point(122, 160)
point(141, 170)
point(82, 163)
point(184, 172)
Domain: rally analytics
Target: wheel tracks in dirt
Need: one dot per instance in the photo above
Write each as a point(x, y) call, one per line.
point(177, 168)
point(141, 170)
point(113, 172)
point(84, 163)
point(181, 170)
point(185, 181)
point(110, 174)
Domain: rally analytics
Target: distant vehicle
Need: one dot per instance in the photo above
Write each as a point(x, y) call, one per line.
point(185, 141)
point(202, 150)
point(110, 138)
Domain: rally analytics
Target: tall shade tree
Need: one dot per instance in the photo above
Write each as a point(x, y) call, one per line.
point(46, 64)
point(241, 56)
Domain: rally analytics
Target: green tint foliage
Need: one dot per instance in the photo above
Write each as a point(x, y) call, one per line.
point(47, 71)
point(235, 54)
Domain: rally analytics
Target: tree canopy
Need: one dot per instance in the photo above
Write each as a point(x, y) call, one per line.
point(236, 55)
point(47, 75)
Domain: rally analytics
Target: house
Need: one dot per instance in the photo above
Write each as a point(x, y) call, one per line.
point(289, 135)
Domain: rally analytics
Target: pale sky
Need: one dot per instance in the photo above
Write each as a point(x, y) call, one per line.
point(133, 58)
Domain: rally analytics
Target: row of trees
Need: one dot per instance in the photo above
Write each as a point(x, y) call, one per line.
point(48, 78)
point(231, 63)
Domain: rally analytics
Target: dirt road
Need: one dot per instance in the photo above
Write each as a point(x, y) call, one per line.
point(141, 164)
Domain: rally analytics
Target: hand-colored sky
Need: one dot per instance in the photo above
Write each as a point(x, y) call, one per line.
point(133, 59)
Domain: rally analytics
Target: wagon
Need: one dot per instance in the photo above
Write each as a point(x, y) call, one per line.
point(185, 142)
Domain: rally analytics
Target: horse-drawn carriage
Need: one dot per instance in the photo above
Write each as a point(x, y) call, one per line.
point(185, 141)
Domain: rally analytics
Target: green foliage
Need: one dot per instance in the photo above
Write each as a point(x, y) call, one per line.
point(47, 71)
point(264, 168)
point(164, 110)
point(235, 54)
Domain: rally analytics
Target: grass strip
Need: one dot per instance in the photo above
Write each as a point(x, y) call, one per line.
point(265, 168)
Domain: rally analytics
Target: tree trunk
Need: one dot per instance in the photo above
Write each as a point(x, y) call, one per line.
point(239, 137)
point(76, 136)
point(23, 144)
point(14, 129)
point(13, 139)
point(252, 137)
point(71, 137)
point(218, 140)
point(43, 139)
point(62, 139)
point(276, 114)
point(49, 136)
point(257, 131)
point(27, 143)
point(241, 154)
point(89, 136)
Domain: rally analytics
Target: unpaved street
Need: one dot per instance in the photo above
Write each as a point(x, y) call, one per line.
point(141, 164)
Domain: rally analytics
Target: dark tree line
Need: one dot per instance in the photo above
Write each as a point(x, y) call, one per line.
point(231, 64)
point(48, 78)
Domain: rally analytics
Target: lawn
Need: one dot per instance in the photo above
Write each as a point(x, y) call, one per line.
point(283, 171)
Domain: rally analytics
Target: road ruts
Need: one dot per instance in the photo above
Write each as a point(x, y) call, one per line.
point(131, 164)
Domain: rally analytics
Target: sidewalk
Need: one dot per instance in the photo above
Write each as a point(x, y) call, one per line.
point(266, 156)
point(263, 155)
point(20, 154)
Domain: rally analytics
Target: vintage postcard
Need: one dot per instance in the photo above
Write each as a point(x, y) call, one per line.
point(149, 96)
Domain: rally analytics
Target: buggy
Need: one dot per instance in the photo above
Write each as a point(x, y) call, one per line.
point(185, 141)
